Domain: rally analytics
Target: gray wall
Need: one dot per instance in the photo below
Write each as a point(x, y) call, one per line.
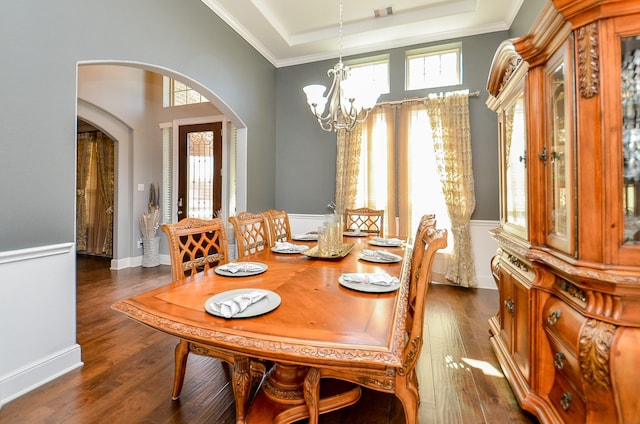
point(527, 14)
point(305, 155)
point(42, 43)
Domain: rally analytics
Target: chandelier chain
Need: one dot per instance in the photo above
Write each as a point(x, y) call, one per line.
point(340, 33)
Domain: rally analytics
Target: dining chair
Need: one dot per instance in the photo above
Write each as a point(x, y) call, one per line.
point(402, 380)
point(364, 219)
point(279, 227)
point(252, 232)
point(196, 245)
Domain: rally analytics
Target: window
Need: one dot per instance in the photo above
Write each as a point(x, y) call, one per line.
point(431, 67)
point(373, 70)
point(378, 169)
point(177, 93)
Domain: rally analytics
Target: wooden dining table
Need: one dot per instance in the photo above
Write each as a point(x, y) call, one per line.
point(318, 322)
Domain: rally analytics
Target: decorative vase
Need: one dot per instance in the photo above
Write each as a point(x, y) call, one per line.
point(150, 247)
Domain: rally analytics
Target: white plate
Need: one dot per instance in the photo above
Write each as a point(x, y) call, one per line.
point(240, 273)
point(369, 288)
point(380, 260)
point(267, 304)
point(301, 248)
point(303, 237)
point(355, 234)
point(385, 243)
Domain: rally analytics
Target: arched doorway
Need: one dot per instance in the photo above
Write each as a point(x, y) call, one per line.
point(128, 202)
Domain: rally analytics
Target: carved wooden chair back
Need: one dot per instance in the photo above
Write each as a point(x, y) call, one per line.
point(252, 232)
point(426, 222)
point(402, 381)
point(365, 219)
point(278, 225)
point(433, 240)
point(195, 245)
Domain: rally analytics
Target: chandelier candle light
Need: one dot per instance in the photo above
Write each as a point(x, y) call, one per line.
point(349, 101)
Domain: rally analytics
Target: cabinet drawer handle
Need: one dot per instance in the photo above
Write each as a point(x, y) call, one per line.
point(565, 401)
point(510, 305)
point(558, 360)
point(553, 317)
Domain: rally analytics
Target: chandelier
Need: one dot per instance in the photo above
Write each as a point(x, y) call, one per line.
point(348, 101)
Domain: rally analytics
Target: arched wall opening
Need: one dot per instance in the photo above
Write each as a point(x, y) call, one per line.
point(125, 230)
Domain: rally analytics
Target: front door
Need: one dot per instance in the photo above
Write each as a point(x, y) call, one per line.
point(200, 170)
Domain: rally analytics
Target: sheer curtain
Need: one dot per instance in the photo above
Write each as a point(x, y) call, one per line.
point(377, 177)
point(415, 159)
point(449, 116)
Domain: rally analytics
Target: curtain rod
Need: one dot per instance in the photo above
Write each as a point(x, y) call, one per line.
point(418, 99)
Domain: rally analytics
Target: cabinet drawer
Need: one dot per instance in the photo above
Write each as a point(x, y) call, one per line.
point(565, 361)
point(563, 321)
point(567, 401)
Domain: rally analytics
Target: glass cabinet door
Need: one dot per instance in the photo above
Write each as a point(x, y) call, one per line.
point(558, 153)
point(514, 165)
point(631, 139)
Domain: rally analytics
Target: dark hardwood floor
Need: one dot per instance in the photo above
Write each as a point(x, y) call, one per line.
point(128, 368)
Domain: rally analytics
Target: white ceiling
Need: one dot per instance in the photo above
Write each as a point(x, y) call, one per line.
point(290, 32)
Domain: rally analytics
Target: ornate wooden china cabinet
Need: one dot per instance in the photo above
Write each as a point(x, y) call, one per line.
point(567, 97)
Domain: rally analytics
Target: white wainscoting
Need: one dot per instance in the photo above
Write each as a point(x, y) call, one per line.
point(484, 247)
point(38, 316)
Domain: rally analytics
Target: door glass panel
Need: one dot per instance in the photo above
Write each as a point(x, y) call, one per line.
point(200, 174)
point(515, 157)
point(557, 157)
point(631, 138)
point(558, 152)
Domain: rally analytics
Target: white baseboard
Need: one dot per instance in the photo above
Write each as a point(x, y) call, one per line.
point(35, 375)
point(135, 261)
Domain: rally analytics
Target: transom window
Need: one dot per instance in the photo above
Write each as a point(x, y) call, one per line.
point(373, 71)
point(177, 93)
point(431, 67)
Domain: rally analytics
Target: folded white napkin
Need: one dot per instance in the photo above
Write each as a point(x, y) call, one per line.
point(284, 246)
point(388, 241)
point(380, 254)
point(230, 307)
point(234, 267)
point(379, 278)
point(306, 236)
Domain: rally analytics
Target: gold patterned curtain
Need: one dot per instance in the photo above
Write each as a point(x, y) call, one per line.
point(449, 116)
point(82, 173)
point(105, 171)
point(347, 168)
point(95, 193)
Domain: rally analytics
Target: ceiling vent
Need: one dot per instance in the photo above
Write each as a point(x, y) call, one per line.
point(381, 13)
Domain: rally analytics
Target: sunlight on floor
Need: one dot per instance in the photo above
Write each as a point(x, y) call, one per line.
point(465, 363)
point(484, 366)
